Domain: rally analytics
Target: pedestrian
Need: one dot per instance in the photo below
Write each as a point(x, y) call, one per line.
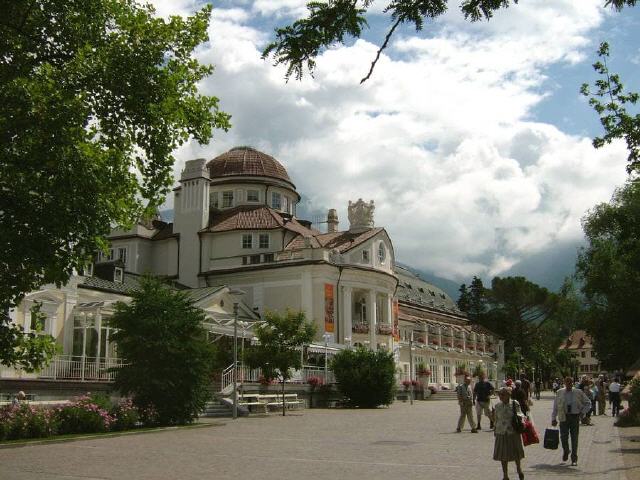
point(508, 443)
point(518, 394)
point(526, 386)
point(586, 388)
point(537, 385)
point(465, 400)
point(570, 403)
point(482, 392)
point(614, 396)
point(19, 398)
point(602, 395)
point(556, 385)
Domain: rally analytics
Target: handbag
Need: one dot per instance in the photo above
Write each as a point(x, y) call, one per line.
point(530, 434)
point(516, 421)
point(551, 438)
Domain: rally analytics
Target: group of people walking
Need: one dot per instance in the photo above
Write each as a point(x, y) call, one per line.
point(571, 406)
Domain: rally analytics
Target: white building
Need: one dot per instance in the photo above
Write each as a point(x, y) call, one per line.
point(235, 226)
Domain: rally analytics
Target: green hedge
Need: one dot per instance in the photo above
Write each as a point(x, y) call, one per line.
point(366, 378)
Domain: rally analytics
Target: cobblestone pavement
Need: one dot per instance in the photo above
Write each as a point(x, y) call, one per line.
point(403, 441)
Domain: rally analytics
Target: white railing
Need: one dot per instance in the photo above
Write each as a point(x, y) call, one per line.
point(66, 367)
point(253, 375)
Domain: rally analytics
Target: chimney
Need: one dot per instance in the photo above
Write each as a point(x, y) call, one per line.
point(332, 221)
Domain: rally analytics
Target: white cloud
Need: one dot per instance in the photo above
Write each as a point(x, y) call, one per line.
point(441, 137)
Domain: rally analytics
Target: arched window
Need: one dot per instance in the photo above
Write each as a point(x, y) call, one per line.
point(382, 252)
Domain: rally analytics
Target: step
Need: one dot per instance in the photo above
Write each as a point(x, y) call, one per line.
point(216, 409)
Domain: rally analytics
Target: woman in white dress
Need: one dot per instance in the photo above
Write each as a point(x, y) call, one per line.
point(508, 444)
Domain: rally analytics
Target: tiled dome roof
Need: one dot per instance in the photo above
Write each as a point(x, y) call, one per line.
point(247, 161)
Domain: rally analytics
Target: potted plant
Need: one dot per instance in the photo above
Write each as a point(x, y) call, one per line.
point(313, 383)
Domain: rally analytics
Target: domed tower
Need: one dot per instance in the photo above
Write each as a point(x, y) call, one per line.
point(246, 176)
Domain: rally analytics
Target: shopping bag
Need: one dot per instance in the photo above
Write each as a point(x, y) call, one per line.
point(551, 438)
point(530, 434)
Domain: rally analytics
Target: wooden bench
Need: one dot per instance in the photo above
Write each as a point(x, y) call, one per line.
point(265, 401)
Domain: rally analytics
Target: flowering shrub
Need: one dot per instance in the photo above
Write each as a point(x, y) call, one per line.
point(87, 414)
point(26, 421)
point(314, 382)
point(126, 416)
point(84, 415)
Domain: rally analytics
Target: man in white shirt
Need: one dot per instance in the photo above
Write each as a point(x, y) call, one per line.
point(569, 405)
point(614, 397)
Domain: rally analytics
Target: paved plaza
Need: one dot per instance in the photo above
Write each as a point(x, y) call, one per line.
point(404, 442)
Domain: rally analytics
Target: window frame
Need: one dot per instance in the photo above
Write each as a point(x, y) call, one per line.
point(382, 252)
point(257, 197)
point(126, 254)
point(247, 245)
point(227, 195)
point(365, 256)
point(277, 195)
point(262, 236)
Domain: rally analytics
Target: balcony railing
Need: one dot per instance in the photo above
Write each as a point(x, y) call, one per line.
point(254, 375)
point(83, 369)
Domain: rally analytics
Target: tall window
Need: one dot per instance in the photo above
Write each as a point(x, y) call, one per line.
point(264, 240)
point(214, 202)
point(122, 254)
point(227, 199)
point(365, 256)
point(446, 371)
point(247, 241)
point(285, 204)
point(253, 196)
point(433, 366)
point(276, 200)
point(85, 335)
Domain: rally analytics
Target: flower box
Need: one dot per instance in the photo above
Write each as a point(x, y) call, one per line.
point(360, 328)
point(383, 329)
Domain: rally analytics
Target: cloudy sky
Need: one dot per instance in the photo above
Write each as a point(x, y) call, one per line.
point(472, 139)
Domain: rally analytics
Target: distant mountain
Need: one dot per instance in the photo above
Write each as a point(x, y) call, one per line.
point(448, 286)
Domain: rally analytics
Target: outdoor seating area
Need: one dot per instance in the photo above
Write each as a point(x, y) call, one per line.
point(262, 402)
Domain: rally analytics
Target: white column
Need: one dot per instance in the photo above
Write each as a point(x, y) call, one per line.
point(373, 322)
point(70, 303)
point(464, 341)
point(27, 317)
point(98, 326)
point(307, 296)
point(347, 309)
point(390, 309)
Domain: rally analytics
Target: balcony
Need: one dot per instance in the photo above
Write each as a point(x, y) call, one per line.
point(83, 369)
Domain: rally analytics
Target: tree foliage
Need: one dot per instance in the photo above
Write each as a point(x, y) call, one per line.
point(169, 361)
point(529, 317)
point(333, 21)
point(27, 351)
point(280, 338)
point(611, 101)
point(365, 377)
point(609, 268)
point(95, 97)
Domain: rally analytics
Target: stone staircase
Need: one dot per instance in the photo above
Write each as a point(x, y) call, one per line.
point(444, 395)
point(217, 409)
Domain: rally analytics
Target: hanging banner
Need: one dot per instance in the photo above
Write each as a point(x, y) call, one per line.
point(396, 314)
point(329, 320)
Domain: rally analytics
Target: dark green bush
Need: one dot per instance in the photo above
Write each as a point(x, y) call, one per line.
point(366, 378)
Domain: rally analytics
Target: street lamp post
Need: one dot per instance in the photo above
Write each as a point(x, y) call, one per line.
point(411, 368)
point(236, 304)
point(235, 360)
point(326, 338)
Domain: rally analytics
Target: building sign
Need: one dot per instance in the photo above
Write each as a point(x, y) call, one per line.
point(329, 316)
point(396, 315)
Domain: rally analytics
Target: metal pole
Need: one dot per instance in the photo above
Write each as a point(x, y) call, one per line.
point(325, 360)
point(235, 360)
point(411, 368)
